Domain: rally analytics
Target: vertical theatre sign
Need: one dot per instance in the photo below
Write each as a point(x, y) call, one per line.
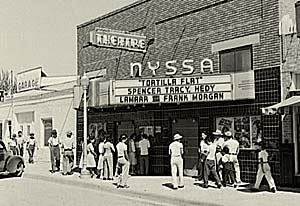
point(117, 39)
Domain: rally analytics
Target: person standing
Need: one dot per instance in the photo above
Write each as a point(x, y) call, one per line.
point(176, 152)
point(264, 169)
point(233, 146)
point(100, 165)
point(20, 142)
point(228, 168)
point(54, 143)
point(12, 144)
point(144, 146)
point(132, 154)
point(108, 159)
point(68, 146)
point(210, 163)
point(202, 155)
point(219, 140)
point(123, 164)
point(31, 145)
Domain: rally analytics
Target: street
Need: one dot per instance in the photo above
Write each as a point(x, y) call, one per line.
point(29, 192)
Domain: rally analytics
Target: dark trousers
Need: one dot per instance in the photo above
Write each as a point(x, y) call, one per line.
point(14, 150)
point(210, 167)
point(200, 167)
point(144, 164)
point(55, 157)
point(20, 150)
point(30, 153)
point(228, 172)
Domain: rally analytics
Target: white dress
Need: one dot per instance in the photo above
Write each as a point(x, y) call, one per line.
point(90, 159)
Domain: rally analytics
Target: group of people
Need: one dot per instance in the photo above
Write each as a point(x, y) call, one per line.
point(218, 157)
point(18, 144)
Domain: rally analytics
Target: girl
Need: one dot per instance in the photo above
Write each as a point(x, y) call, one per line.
point(90, 159)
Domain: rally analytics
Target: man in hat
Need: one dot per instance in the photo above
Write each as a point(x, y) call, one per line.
point(68, 156)
point(122, 163)
point(233, 146)
point(219, 141)
point(54, 144)
point(176, 152)
point(31, 145)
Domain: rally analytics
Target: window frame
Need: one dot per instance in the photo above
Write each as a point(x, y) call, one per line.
point(236, 49)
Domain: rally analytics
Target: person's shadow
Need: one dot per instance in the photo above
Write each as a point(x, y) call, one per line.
point(168, 185)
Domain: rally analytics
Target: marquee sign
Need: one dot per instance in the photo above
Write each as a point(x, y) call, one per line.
point(117, 39)
point(184, 89)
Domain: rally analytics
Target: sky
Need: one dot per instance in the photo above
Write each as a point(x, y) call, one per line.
point(37, 33)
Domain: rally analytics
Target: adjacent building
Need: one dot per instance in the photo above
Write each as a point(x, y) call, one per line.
point(164, 66)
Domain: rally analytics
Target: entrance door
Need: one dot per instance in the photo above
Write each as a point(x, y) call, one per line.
point(47, 130)
point(189, 129)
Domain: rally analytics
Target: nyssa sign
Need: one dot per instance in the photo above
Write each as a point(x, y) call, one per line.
point(117, 39)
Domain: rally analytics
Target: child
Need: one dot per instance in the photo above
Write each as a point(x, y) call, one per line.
point(31, 144)
point(12, 144)
point(228, 167)
point(90, 159)
point(264, 170)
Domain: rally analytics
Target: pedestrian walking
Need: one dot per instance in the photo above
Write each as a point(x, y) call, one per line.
point(132, 154)
point(202, 155)
point(264, 169)
point(144, 146)
point(20, 143)
point(12, 144)
point(122, 164)
point(31, 146)
point(68, 146)
point(228, 168)
point(210, 163)
point(176, 152)
point(100, 165)
point(54, 144)
point(108, 159)
point(233, 146)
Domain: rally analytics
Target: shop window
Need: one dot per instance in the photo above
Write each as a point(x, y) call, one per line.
point(245, 129)
point(236, 60)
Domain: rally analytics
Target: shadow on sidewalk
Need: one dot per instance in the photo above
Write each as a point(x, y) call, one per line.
point(265, 188)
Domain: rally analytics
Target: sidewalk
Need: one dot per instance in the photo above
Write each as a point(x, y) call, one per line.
point(153, 188)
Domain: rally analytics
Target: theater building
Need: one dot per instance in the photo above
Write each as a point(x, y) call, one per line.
point(161, 66)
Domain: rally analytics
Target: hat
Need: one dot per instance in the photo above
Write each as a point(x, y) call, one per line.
point(228, 134)
point(123, 136)
point(54, 131)
point(217, 132)
point(177, 136)
point(69, 132)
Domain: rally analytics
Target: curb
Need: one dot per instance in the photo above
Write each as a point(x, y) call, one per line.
point(125, 192)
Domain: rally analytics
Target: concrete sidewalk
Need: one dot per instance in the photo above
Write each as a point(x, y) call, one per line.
point(156, 188)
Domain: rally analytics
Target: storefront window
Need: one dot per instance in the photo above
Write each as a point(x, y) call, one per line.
point(246, 129)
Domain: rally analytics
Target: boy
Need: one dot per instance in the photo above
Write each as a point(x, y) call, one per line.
point(228, 168)
point(264, 169)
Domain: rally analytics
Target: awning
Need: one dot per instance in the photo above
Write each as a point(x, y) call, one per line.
point(287, 102)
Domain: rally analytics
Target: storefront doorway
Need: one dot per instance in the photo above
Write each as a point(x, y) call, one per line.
point(47, 130)
point(189, 129)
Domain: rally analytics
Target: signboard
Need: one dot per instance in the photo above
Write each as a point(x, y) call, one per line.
point(174, 90)
point(117, 39)
point(205, 88)
point(30, 79)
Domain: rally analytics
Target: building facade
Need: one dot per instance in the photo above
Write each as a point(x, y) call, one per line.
point(188, 66)
point(39, 107)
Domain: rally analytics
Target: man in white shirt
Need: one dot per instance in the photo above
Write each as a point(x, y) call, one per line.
point(176, 151)
point(21, 142)
point(233, 146)
point(144, 146)
point(122, 163)
point(54, 144)
point(68, 156)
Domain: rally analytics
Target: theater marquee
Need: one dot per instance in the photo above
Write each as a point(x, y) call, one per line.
point(185, 89)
